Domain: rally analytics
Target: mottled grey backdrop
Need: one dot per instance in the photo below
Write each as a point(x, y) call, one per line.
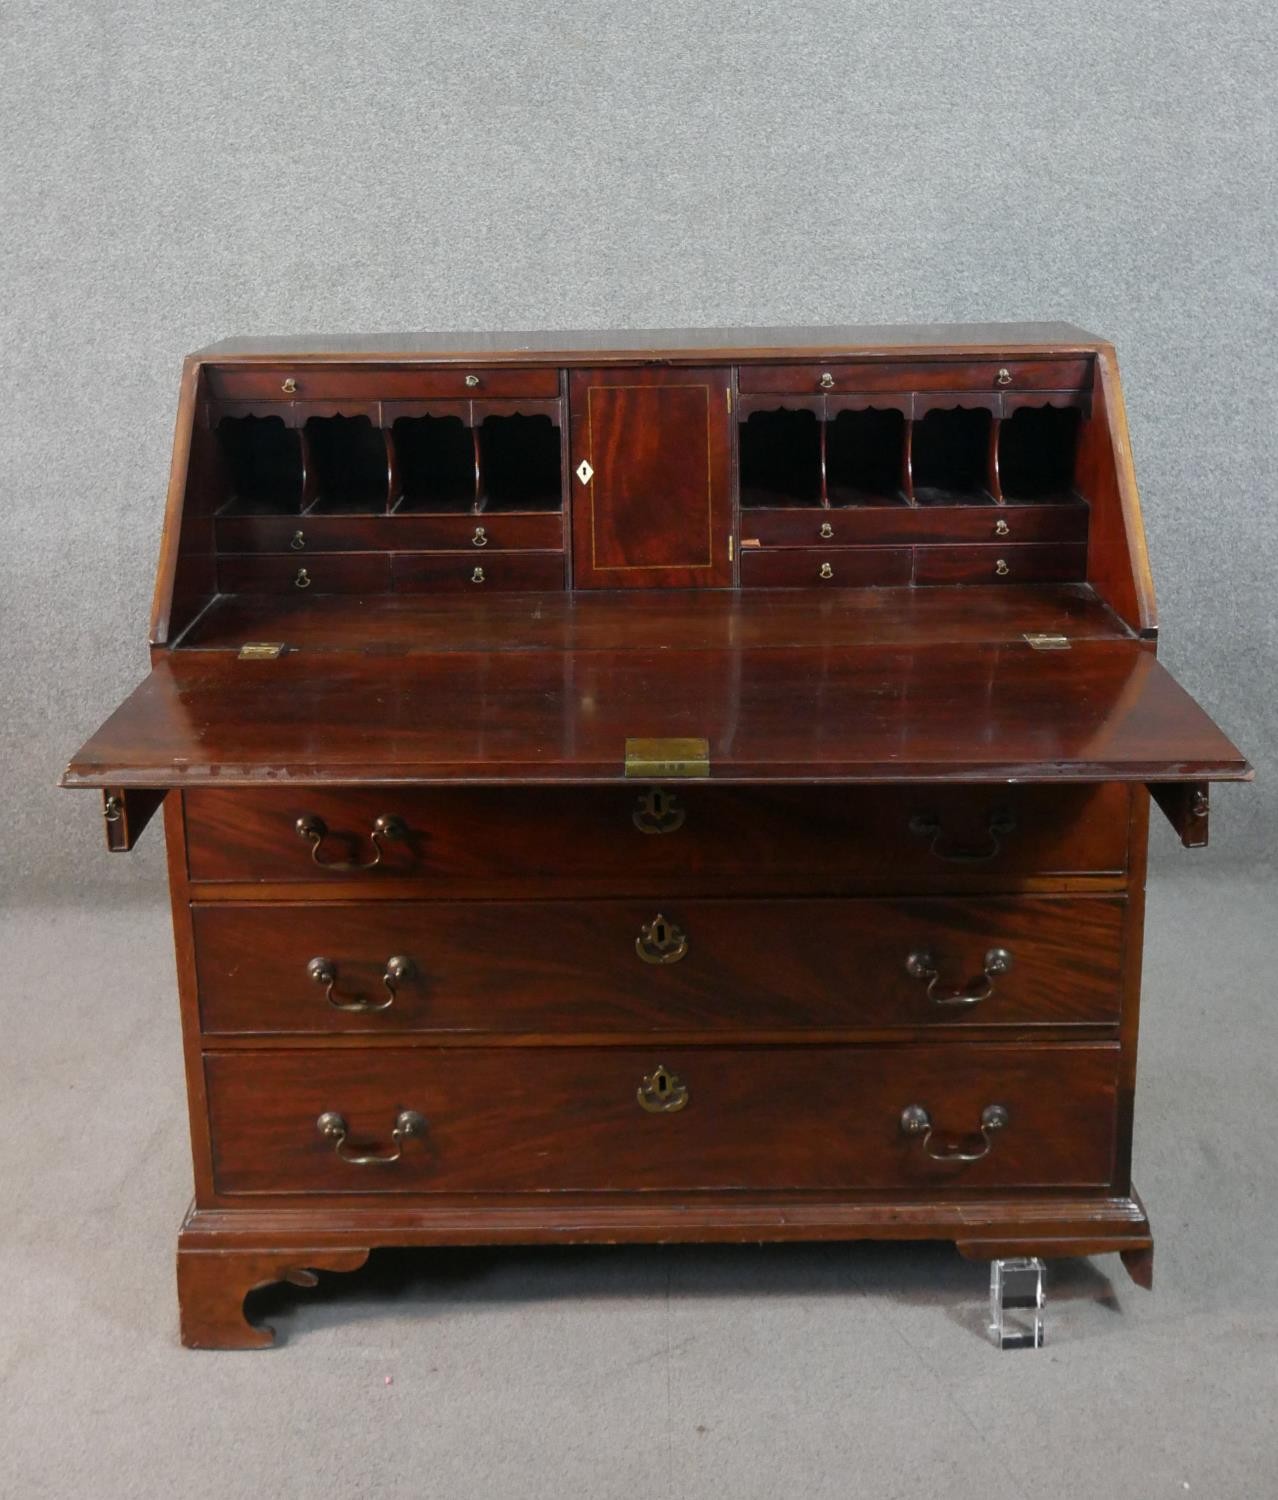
point(176, 172)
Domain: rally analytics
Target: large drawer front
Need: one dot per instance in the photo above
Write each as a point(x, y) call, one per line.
point(518, 1120)
point(549, 841)
point(593, 968)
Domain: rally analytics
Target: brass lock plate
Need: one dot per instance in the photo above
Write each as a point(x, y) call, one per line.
point(658, 760)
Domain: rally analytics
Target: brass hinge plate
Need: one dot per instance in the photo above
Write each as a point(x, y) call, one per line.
point(1041, 641)
point(659, 760)
point(261, 650)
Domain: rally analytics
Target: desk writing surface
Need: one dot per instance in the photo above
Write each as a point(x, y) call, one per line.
point(818, 711)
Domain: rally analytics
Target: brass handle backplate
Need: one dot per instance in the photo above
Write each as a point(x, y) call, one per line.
point(922, 965)
point(929, 826)
point(313, 828)
point(661, 942)
point(333, 1127)
point(658, 811)
point(324, 971)
point(915, 1120)
point(662, 1092)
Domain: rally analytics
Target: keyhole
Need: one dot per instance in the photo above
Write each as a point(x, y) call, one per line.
point(659, 933)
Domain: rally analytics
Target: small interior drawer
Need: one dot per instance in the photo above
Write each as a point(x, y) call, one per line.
point(1001, 564)
point(830, 566)
point(810, 526)
point(555, 1119)
point(1009, 374)
point(387, 383)
point(436, 572)
point(296, 573)
point(394, 533)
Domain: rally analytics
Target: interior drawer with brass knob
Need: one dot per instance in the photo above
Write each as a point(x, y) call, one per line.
point(642, 839)
point(594, 1120)
point(400, 532)
point(1066, 374)
point(371, 382)
point(604, 968)
point(833, 566)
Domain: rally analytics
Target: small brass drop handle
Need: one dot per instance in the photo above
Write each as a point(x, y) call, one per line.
point(472, 381)
point(662, 1092)
point(1004, 376)
point(827, 531)
point(312, 827)
point(480, 538)
point(297, 541)
point(929, 826)
point(915, 1120)
point(1001, 528)
point(477, 576)
point(922, 965)
point(826, 570)
point(289, 387)
point(661, 942)
point(1001, 567)
point(302, 579)
point(333, 1127)
point(827, 381)
point(324, 971)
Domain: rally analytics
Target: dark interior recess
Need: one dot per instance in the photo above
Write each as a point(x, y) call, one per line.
point(951, 456)
point(520, 463)
point(348, 456)
point(1036, 453)
point(263, 464)
point(780, 458)
point(436, 457)
point(864, 458)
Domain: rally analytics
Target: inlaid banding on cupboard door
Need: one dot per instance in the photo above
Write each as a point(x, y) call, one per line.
point(656, 508)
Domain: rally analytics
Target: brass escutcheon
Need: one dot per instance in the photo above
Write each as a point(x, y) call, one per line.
point(658, 811)
point(662, 1092)
point(661, 942)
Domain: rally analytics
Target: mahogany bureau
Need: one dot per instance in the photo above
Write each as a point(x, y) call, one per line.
point(679, 786)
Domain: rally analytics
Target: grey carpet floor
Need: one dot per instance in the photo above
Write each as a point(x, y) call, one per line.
point(804, 1371)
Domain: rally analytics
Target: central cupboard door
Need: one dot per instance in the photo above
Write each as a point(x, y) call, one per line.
point(651, 461)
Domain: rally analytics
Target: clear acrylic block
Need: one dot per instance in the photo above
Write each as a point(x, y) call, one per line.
point(1017, 1295)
